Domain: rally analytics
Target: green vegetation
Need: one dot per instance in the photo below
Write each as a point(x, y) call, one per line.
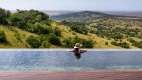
point(57, 32)
point(69, 42)
point(35, 29)
point(53, 39)
point(121, 44)
point(114, 30)
point(88, 43)
point(34, 42)
point(32, 21)
point(2, 37)
point(136, 43)
point(77, 27)
point(4, 14)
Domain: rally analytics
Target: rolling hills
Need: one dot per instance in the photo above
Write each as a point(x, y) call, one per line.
point(35, 29)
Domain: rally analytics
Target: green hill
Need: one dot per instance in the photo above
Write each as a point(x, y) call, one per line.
point(35, 29)
point(17, 38)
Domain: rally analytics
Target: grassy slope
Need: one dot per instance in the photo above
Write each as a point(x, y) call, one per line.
point(100, 42)
point(17, 38)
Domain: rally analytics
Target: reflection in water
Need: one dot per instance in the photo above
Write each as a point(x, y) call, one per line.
point(78, 53)
point(78, 56)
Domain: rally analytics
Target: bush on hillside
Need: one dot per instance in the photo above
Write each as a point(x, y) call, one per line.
point(29, 16)
point(40, 28)
point(34, 42)
point(124, 45)
point(30, 20)
point(70, 42)
point(77, 27)
point(53, 39)
point(135, 43)
point(57, 32)
point(87, 43)
point(4, 14)
point(106, 43)
point(2, 37)
point(121, 44)
point(139, 44)
point(45, 44)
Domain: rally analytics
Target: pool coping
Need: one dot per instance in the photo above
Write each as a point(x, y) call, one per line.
point(64, 49)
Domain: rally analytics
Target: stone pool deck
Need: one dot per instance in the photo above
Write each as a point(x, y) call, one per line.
point(96, 75)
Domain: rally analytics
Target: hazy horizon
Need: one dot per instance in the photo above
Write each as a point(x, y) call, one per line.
point(73, 5)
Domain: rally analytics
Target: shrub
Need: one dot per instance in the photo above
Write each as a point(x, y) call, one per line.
point(40, 29)
point(45, 44)
point(121, 44)
point(31, 16)
point(88, 43)
point(30, 20)
point(76, 39)
point(137, 44)
point(4, 14)
point(124, 45)
point(77, 27)
point(106, 43)
point(17, 20)
point(114, 43)
point(57, 32)
point(68, 43)
point(34, 42)
point(2, 37)
point(131, 40)
point(53, 39)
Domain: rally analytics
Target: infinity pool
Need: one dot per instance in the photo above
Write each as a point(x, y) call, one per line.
point(66, 61)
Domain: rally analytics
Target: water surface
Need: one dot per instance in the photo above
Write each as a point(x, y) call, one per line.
point(66, 61)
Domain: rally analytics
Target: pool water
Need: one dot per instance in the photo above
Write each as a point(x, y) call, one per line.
point(66, 61)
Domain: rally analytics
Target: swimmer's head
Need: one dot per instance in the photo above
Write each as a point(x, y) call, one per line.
point(77, 45)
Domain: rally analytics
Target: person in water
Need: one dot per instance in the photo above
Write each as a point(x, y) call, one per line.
point(77, 50)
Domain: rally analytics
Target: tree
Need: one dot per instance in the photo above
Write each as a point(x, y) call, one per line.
point(41, 28)
point(24, 18)
point(77, 27)
point(88, 43)
point(106, 43)
point(45, 44)
point(4, 14)
point(17, 20)
point(53, 39)
point(57, 32)
point(68, 42)
point(34, 42)
point(2, 37)
point(121, 44)
point(124, 45)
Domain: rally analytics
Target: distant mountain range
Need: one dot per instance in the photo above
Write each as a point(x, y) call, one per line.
point(80, 16)
point(89, 15)
point(135, 13)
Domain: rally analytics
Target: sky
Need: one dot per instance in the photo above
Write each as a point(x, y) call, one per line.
point(75, 5)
